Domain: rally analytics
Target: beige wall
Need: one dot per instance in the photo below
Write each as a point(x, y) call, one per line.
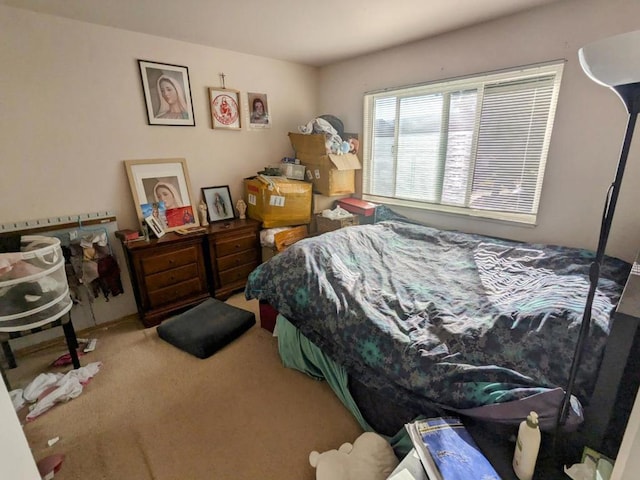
point(72, 110)
point(589, 126)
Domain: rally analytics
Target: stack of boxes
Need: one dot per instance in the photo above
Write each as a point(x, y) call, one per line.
point(288, 201)
point(331, 174)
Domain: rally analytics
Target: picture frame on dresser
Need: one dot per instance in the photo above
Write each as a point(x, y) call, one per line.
point(155, 226)
point(166, 181)
point(219, 204)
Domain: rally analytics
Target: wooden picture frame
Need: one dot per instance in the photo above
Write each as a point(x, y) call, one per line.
point(225, 108)
point(167, 94)
point(219, 203)
point(163, 181)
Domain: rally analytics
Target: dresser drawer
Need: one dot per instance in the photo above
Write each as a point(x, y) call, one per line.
point(171, 277)
point(174, 292)
point(235, 274)
point(236, 260)
point(235, 245)
point(176, 258)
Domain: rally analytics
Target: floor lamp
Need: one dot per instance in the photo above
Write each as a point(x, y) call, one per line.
point(615, 63)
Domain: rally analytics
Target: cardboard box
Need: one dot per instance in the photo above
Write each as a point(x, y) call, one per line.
point(278, 201)
point(324, 224)
point(283, 240)
point(331, 174)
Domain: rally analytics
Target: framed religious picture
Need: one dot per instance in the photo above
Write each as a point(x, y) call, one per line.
point(225, 108)
point(219, 205)
point(258, 110)
point(167, 94)
point(161, 189)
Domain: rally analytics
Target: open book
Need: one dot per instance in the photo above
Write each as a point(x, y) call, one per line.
point(447, 450)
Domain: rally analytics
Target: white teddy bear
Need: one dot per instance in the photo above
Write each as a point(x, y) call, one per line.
point(369, 458)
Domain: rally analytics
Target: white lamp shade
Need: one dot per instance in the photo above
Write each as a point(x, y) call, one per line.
point(613, 61)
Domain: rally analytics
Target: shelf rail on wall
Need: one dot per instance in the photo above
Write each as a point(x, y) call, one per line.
point(58, 223)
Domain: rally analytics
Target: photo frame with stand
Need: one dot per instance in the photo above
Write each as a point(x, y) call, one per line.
point(225, 108)
point(219, 204)
point(154, 226)
point(164, 182)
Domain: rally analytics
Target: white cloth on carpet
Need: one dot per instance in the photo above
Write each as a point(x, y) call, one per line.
point(39, 385)
point(69, 386)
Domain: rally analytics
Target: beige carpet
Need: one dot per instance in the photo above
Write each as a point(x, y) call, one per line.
point(155, 412)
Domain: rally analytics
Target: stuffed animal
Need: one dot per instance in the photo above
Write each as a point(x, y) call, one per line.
point(369, 458)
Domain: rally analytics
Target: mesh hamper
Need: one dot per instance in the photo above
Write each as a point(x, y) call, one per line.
point(33, 284)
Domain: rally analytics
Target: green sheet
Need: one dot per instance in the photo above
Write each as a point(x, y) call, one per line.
point(297, 352)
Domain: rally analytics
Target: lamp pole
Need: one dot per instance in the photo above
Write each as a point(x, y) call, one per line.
point(630, 95)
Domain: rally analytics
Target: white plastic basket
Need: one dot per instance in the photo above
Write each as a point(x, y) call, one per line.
point(33, 284)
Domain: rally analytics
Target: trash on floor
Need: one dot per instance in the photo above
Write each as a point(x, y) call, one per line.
point(85, 345)
point(48, 389)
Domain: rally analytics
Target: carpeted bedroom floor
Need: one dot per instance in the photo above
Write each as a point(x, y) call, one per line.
point(156, 412)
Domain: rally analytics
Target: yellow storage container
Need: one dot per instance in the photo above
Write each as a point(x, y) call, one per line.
point(278, 201)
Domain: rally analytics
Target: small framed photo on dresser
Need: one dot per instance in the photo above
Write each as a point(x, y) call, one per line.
point(154, 226)
point(219, 204)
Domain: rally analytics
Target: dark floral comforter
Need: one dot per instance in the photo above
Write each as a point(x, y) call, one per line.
point(455, 319)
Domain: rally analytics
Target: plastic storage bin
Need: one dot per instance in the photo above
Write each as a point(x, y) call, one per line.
point(33, 284)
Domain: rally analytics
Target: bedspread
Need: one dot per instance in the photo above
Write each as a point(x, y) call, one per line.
point(442, 317)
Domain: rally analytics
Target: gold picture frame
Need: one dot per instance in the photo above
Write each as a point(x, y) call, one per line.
point(162, 183)
point(225, 108)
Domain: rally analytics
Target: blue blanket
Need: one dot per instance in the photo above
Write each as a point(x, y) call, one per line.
point(443, 318)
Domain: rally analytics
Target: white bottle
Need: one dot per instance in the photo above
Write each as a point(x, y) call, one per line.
point(527, 446)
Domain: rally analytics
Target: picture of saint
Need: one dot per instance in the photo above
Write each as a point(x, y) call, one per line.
point(218, 202)
point(165, 190)
point(167, 93)
point(258, 110)
point(221, 207)
point(225, 109)
point(171, 101)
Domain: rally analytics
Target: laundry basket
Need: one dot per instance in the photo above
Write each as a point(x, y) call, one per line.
point(33, 285)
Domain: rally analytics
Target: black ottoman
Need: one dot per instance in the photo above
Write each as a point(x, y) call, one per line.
point(206, 328)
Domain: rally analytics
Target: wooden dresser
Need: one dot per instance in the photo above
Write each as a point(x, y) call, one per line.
point(233, 251)
point(178, 271)
point(167, 274)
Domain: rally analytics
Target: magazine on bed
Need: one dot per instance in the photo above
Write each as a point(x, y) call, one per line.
point(447, 450)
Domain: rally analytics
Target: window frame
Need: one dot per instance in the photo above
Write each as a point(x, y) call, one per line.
point(446, 87)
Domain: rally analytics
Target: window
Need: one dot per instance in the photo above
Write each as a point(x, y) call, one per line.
point(476, 145)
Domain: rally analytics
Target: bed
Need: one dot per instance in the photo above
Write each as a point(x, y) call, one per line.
point(426, 320)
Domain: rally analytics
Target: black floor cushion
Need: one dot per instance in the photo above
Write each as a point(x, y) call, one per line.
point(206, 328)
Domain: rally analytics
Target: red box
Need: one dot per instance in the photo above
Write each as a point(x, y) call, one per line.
point(268, 316)
point(358, 206)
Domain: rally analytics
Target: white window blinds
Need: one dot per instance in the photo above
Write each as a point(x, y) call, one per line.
point(476, 146)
